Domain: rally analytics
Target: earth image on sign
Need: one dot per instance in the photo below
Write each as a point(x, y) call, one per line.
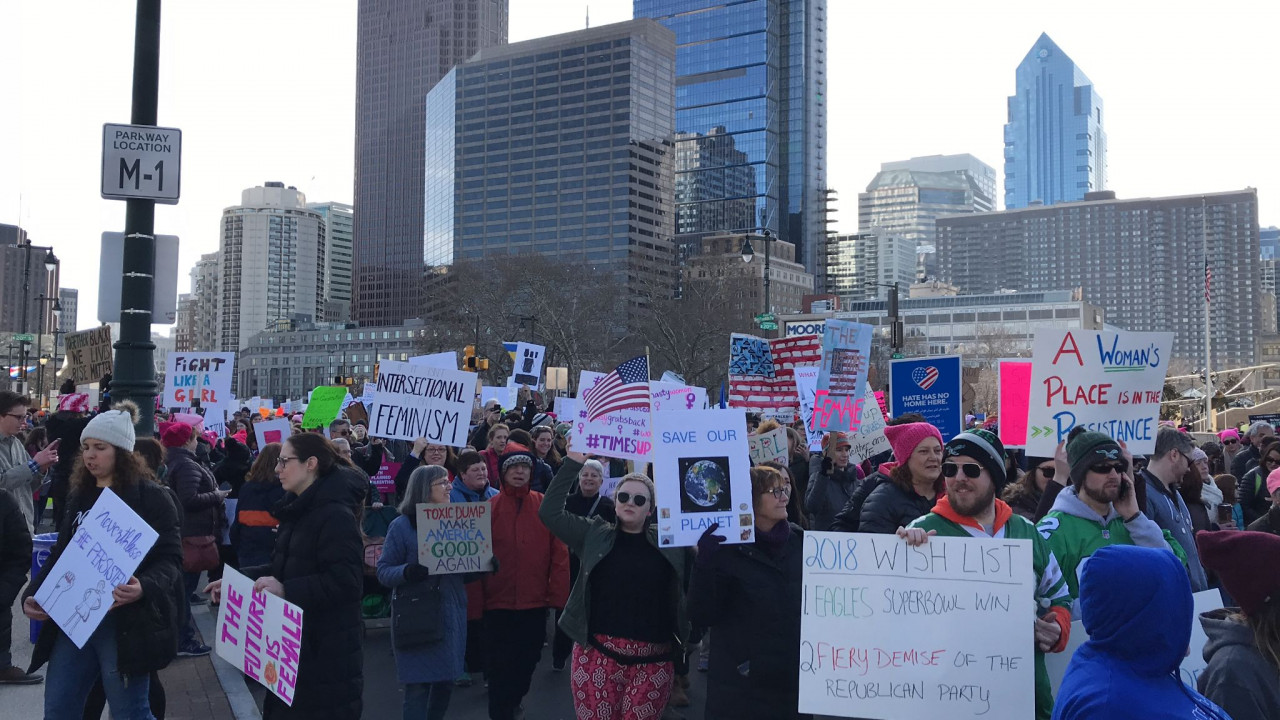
point(705, 482)
point(925, 377)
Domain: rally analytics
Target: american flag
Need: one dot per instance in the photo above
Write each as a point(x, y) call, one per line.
point(776, 395)
point(624, 388)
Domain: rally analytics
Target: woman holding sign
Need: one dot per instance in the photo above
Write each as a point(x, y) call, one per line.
point(626, 611)
point(317, 564)
point(426, 671)
point(139, 635)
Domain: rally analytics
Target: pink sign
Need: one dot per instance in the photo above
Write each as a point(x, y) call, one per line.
point(1015, 402)
point(884, 409)
point(385, 480)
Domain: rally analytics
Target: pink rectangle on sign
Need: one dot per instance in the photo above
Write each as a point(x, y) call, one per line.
point(1015, 401)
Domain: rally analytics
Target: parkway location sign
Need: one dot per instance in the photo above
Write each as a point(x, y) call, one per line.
point(141, 162)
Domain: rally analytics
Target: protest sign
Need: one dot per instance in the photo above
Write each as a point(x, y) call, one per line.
point(768, 447)
point(198, 377)
point(385, 478)
point(931, 387)
point(269, 431)
point(1192, 665)
point(1104, 381)
point(703, 476)
point(88, 354)
point(455, 537)
point(676, 396)
point(622, 434)
point(446, 360)
point(870, 439)
point(356, 413)
point(842, 375)
point(324, 406)
point(1015, 395)
point(260, 634)
point(416, 401)
point(488, 392)
point(527, 369)
point(104, 552)
point(806, 389)
point(884, 409)
point(894, 632)
point(762, 372)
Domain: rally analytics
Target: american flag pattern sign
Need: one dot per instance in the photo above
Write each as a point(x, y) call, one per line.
point(761, 372)
point(626, 387)
point(925, 377)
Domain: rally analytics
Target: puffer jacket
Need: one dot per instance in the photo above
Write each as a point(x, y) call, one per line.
point(194, 483)
point(829, 492)
point(533, 565)
point(15, 549)
point(1267, 523)
point(318, 558)
point(146, 630)
point(890, 507)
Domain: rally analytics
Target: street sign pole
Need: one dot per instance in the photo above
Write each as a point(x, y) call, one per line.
point(135, 371)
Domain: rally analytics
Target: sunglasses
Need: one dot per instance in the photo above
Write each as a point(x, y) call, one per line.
point(971, 470)
point(637, 500)
point(1109, 467)
point(1048, 471)
point(1230, 442)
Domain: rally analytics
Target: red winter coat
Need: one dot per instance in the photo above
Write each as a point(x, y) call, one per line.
point(533, 565)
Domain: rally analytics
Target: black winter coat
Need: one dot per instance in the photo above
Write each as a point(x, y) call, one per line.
point(15, 549)
point(753, 602)
point(849, 519)
point(234, 467)
point(1251, 493)
point(146, 630)
point(889, 507)
point(253, 535)
point(196, 488)
point(64, 426)
point(318, 558)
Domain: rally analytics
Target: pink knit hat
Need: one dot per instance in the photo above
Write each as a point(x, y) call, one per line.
point(907, 437)
point(74, 402)
point(1229, 433)
point(1273, 481)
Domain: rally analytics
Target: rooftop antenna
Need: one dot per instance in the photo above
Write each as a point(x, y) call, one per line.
point(588, 17)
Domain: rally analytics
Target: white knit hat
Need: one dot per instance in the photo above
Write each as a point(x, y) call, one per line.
point(114, 426)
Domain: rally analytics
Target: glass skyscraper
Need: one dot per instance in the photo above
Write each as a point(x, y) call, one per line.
point(750, 117)
point(1055, 149)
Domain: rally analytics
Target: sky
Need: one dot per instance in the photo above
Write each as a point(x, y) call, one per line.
point(265, 90)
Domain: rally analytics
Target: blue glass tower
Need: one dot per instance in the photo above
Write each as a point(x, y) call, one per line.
point(1055, 149)
point(750, 117)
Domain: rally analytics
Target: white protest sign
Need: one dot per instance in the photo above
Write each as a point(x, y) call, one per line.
point(527, 369)
point(703, 476)
point(203, 377)
point(269, 431)
point(104, 552)
point(892, 632)
point(769, 447)
point(676, 396)
point(260, 634)
point(1104, 381)
point(623, 434)
point(1192, 665)
point(488, 392)
point(446, 360)
point(870, 439)
point(416, 401)
point(806, 389)
point(455, 537)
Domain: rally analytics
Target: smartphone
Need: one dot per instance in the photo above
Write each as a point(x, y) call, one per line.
point(1224, 514)
point(1125, 488)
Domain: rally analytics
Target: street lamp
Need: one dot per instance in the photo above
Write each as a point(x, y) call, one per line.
point(57, 313)
point(44, 360)
point(748, 252)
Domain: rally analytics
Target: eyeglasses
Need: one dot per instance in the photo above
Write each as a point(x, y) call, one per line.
point(284, 460)
point(1271, 460)
point(637, 500)
point(1108, 467)
point(782, 492)
point(971, 470)
point(15, 416)
point(1048, 471)
point(442, 483)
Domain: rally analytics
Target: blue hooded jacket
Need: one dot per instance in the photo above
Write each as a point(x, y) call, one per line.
point(1136, 605)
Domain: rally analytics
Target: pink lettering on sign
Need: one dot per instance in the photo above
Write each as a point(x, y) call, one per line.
point(234, 601)
point(253, 639)
point(843, 413)
point(292, 644)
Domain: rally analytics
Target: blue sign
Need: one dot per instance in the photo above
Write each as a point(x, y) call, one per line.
point(931, 387)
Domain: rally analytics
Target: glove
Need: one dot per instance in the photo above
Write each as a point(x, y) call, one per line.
point(415, 572)
point(827, 466)
point(708, 545)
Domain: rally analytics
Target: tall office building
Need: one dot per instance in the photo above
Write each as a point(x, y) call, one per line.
point(1055, 149)
point(69, 299)
point(272, 264)
point(558, 146)
point(1143, 260)
point(906, 204)
point(197, 328)
point(751, 116)
point(981, 176)
point(338, 223)
point(858, 266)
point(403, 48)
point(26, 285)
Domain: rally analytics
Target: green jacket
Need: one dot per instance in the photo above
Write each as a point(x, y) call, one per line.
point(591, 539)
point(1051, 593)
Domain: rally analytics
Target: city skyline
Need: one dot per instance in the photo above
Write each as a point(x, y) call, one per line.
point(1159, 142)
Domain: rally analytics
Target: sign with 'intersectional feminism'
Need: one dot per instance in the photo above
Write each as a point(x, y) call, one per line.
point(416, 401)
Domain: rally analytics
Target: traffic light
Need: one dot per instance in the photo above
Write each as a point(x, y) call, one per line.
point(470, 362)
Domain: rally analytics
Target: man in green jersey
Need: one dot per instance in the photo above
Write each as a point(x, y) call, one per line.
point(1099, 509)
point(973, 471)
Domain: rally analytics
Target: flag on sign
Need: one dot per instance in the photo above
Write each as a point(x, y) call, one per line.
point(762, 372)
point(624, 388)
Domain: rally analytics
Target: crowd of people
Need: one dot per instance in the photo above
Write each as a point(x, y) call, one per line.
point(1118, 542)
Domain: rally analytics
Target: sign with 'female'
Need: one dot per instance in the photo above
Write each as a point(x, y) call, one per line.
point(260, 634)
